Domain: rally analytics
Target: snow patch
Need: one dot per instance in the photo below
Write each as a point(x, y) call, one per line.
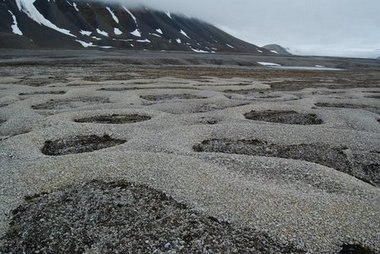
point(145, 40)
point(75, 7)
point(117, 31)
point(157, 35)
point(268, 64)
point(101, 32)
point(274, 51)
point(136, 33)
point(112, 14)
point(159, 31)
point(198, 50)
point(87, 33)
point(260, 51)
point(168, 14)
point(27, 6)
point(15, 28)
point(131, 14)
point(178, 41)
point(230, 46)
point(85, 44)
point(185, 34)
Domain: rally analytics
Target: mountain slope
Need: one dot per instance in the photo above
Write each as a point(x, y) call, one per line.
point(89, 24)
point(277, 49)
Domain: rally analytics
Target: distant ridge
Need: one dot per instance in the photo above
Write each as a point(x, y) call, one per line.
point(88, 24)
point(277, 49)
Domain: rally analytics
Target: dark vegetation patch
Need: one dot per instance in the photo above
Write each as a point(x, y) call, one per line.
point(105, 77)
point(2, 105)
point(163, 97)
point(348, 105)
point(2, 121)
point(286, 117)
point(355, 249)
point(207, 120)
point(39, 82)
point(43, 92)
point(121, 89)
point(79, 144)
point(245, 91)
point(122, 217)
point(333, 157)
point(373, 96)
point(207, 107)
point(114, 119)
point(70, 103)
point(340, 105)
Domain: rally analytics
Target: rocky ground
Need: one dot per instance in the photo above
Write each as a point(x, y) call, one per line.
point(181, 153)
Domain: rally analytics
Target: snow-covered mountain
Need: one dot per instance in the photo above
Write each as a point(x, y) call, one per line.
point(90, 24)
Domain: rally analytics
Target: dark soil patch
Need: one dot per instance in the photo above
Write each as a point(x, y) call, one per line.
point(121, 217)
point(79, 144)
point(163, 97)
point(2, 121)
point(2, 105)
point(70, 103)
point(355, 249)
point(287, 117)
point(114, 119)
point(43, 92)
point(333, 157)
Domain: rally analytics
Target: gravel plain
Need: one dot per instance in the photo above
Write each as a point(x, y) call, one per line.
point(100, 154)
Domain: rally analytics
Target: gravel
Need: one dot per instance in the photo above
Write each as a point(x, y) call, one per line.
point(288, 186)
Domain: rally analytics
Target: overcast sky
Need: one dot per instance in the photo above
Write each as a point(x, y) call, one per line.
point(321, 27)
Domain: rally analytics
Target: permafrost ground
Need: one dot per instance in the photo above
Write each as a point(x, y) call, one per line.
point(101, 156)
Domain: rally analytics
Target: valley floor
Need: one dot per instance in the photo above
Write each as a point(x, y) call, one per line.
point(175, 152)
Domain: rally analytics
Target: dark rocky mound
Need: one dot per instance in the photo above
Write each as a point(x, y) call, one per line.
point(286, 117)
point(114, 119)
point(79, 144)
point(120, 217)
point(364, 166)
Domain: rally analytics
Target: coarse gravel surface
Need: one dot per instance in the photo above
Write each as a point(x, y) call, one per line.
point(244, 159)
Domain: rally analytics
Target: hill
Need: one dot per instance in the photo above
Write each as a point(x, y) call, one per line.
point(87, 24)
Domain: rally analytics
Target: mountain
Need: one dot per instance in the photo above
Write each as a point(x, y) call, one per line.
point(72, 24)
point(277, 49)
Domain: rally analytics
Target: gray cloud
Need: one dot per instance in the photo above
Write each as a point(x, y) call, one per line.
point(327, 27)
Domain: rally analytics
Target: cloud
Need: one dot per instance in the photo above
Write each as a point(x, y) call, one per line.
point(307, 25)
